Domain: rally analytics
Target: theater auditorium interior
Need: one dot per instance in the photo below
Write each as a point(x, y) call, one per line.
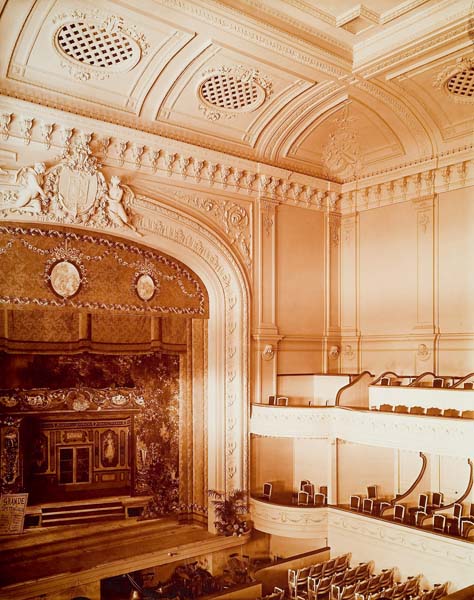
point(236, 300)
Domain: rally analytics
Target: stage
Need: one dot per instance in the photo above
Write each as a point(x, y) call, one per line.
point(49, 560)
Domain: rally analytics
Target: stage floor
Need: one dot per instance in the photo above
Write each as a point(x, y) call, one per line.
point(44, 561)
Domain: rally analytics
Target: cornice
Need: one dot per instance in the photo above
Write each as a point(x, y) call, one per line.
point(414, 44)
point(261, 34)
point(450, 171)
point(163, 157)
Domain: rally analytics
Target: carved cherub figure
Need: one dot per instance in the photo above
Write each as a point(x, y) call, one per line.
point(115, 203)
point(28, 197)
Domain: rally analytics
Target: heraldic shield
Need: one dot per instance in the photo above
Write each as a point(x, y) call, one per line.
point(77, 191)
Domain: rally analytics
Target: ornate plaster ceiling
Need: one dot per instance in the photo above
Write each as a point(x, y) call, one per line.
point(334, 89)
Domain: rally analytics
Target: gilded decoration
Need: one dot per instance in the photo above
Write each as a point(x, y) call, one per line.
point(57, 268)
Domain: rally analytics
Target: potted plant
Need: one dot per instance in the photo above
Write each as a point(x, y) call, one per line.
point(229, 512)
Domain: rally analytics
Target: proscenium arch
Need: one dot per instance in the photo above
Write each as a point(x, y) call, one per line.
point(197, 246)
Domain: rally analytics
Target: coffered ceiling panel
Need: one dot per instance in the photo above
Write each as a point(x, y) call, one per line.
point(265, 81)
point(92, 53)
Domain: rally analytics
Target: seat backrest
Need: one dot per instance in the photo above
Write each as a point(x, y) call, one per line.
point(423, 501)
point(303, 498)
point(434, 411)
point(451, 412)
point(304, 482)
point(438, 382)
point(401, 408)
point(355, 502)
point(437, 499)
point(457, 510)
point(439, 522)
point(309, 487)
point(282, 401)
point(383, 506)
point(372, 492)
point(317, 570)
point(319, 499)
point(364, 570)
point(468, 385)
point(267, 490)
point(323, 489)
point(367, 505)
point(324, 585)
point(417, 410)
point(385, 381)
point(272, 400)
point(342, 561)
point(399, 512)
point(350, 576)
point(467, 414)
point(329, 567)
point(386, 407)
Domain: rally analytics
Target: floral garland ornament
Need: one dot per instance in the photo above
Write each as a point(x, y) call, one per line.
point(229, 512)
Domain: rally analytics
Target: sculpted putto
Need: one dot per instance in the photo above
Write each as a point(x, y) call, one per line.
point(115, 203)
point(27, 198)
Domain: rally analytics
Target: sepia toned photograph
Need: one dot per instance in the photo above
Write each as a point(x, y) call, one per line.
point(236, 301)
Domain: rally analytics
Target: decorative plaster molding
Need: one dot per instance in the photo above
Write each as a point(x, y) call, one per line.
point(289, 521)
point(99, 21)
point(233, 220)
point(342, 153)
point(414, 187)
point(457, 551)
point(442, 79)
point(452, 437)
point(72, 191)
point(296, 50)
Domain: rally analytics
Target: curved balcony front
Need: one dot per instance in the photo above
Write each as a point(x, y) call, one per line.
point(436, 435)
point(303, 522)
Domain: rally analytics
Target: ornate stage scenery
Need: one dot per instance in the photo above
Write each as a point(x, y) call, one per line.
point(236, 301)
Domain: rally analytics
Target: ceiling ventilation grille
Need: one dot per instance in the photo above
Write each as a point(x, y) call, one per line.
point(462, 83)
point(228, 92)
point(98, 47)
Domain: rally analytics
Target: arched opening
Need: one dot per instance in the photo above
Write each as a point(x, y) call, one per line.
point(209, 409)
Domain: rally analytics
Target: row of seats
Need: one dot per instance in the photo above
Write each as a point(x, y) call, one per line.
point(432, 411)
point(369, 586)
point(457, 524)
point(336, 580)
point(298, 578)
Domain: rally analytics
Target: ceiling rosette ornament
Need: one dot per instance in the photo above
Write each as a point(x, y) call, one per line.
point(457, 81)
point(229, 91)
point(94, 45)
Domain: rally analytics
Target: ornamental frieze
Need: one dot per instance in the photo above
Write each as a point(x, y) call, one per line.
point(59, 268)
point(73, 399)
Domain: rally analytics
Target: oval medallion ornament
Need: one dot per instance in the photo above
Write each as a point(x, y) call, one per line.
point(65, 279)
point(145, 287)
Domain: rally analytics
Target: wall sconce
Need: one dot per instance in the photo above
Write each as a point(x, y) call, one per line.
point(268, 352)
point(334, 352)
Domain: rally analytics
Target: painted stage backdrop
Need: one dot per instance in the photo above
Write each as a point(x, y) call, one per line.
point(155, 375)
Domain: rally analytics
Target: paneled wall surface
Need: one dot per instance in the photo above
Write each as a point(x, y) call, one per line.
point(407, 300)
